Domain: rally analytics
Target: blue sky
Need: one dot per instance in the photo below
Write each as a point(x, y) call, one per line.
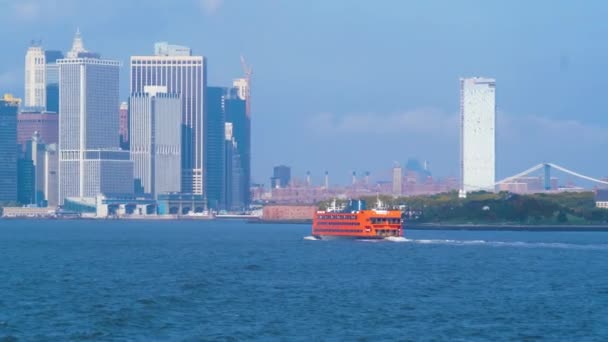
point(350, 85)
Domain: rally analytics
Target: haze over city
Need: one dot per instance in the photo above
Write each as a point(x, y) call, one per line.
point(358, 85)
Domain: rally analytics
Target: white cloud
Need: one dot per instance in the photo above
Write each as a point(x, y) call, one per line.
point(27, 10)
point(211, 6)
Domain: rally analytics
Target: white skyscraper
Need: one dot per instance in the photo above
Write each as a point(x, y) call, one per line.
point(35, 82)
point(155, 138)
point(173, 67)
point(90, 160)
point(477, 134)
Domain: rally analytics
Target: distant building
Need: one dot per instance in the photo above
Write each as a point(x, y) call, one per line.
point(9, 107)
point(90, 160)
point(601, 199)
point(156, 140)
point(123, 125)
point(288, 212)
point(397, 180)
point(420, 170)
point(478, 134)
point(528, 185)
point(175, 68)
point(35, 83)
point(515, 187)
point(281, 176)
point(52, 80)
point(38, 173)
point(44, 124)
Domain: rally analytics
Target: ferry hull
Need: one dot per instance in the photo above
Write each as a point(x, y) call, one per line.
point(357, 224)
point(347, 237)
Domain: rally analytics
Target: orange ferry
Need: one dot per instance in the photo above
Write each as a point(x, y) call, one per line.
point(354, 220)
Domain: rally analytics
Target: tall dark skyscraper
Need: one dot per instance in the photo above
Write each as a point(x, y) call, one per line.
point(174, 67)
point(8, 148)
point(227, 149)
point(215, 154)
point(236, 113)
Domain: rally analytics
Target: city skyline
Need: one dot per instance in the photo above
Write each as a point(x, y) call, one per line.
point(415, 83)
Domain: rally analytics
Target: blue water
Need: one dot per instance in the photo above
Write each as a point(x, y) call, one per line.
point(109, 280)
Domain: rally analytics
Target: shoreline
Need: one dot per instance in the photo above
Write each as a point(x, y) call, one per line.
point(509, 227)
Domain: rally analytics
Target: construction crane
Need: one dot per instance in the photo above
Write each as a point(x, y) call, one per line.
point(248, 70)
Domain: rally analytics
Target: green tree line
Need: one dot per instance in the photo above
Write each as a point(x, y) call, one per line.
point(497, 208)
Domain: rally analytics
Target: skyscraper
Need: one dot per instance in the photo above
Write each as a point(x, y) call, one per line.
point(90, 160)
point(52, 80)
point(38, 173)
point(8, 148)
point(237, 114)
point(186, 75)
point(215, 145)
point(227, 148)
point(477, 134)
point(156, 139)
point(35, 83)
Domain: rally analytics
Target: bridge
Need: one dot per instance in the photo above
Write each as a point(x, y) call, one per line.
point(547, 175)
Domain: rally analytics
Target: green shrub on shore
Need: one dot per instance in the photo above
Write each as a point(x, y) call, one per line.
point(499, 208)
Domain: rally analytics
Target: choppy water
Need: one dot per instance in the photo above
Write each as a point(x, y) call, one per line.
point(93, 280)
